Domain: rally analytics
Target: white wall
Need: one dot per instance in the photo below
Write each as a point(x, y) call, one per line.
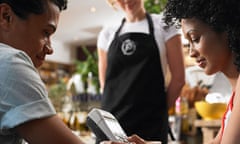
point(63, 53)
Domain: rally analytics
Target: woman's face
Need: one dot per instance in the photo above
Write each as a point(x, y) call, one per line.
point(208, 47)
point(130, 6)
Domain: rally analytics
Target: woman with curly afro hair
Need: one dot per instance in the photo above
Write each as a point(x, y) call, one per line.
point(212, 28)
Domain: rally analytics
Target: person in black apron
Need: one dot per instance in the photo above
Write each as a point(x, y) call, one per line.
point(133, 80)
point(134, 88)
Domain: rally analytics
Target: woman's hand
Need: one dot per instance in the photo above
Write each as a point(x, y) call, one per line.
point(134, 139)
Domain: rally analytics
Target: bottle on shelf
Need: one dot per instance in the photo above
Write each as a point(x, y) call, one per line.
point(182, 109)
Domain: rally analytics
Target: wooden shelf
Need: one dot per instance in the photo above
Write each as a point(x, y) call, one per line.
point(51, 72)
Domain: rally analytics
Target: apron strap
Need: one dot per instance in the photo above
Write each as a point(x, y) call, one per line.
point(117, 32)
point(150, 24)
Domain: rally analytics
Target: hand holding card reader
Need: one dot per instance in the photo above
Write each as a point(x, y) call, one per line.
point(105, 126)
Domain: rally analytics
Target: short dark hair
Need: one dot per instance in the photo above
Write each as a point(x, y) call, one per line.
point(22, 8)
point(220, 15)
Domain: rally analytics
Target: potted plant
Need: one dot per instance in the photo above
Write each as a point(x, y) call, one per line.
point(88, 68)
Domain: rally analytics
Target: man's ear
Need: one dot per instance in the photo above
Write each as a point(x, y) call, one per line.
point(6, 15)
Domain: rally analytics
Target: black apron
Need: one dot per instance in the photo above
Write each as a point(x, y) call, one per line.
point(134, 88)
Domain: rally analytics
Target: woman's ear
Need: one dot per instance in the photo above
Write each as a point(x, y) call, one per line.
point(5, 16)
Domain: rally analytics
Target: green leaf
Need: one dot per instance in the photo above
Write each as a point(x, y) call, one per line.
point(90, 64)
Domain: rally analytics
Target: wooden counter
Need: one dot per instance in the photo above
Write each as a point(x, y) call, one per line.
point(209, 128)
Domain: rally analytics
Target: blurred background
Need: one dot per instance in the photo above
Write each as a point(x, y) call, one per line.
point(71, 75)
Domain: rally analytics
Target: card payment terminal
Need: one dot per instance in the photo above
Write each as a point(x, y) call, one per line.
point(105, 126)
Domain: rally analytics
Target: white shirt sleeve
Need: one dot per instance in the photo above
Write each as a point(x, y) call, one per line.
point(104, 38)
point(170, 31)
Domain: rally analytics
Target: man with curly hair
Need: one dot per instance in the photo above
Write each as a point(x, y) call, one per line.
point(212, 28)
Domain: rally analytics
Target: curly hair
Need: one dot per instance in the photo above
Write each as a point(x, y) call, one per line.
point(220, 15)
point(22, 8)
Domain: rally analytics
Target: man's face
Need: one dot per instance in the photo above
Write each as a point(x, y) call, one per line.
point(33, 34)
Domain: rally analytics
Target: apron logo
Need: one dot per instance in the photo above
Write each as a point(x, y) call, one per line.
point(128, 47)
